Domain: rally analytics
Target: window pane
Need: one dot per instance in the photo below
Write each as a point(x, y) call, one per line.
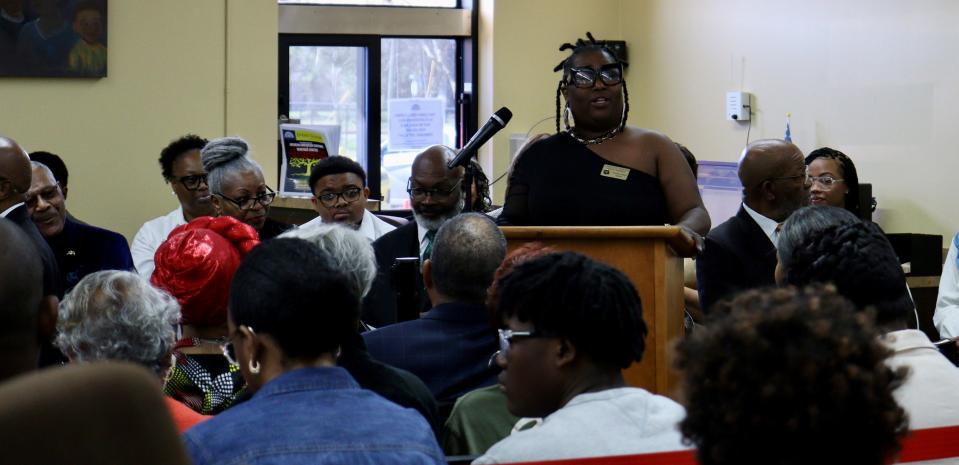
point(427, 3)
point(418, 90)
point(328, 86)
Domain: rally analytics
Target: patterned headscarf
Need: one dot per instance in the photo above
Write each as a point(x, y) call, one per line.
point(197, 262)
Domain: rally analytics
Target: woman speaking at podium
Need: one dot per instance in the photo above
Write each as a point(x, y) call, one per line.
point(598, 171)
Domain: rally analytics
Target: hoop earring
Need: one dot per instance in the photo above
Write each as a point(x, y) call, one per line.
point(255, 369)
point(566, 113)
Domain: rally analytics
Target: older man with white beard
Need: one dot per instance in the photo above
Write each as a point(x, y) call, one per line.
point(436, 193)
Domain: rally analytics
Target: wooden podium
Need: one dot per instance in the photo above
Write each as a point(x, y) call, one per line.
point(652, 257)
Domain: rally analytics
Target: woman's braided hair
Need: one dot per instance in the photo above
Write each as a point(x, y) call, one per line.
point(580, 46)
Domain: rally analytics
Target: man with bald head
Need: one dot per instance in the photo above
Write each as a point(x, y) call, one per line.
point(80, 249)
point(15, 178)
point(740, 254)
point(436, 195)
point(20, 292)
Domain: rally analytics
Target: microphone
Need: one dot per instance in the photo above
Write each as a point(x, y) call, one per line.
point(496, 122)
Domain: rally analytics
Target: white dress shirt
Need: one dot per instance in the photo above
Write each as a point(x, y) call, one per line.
point(7, 211)
point(767, 225)
point(946, 317)
point(371, 225)
point(149, 238)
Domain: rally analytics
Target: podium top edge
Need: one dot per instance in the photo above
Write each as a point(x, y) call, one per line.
point(680, 241)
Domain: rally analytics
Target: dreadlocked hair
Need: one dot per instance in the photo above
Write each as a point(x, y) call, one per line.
point(849, 175)
point(590, 44)
point(569, 295)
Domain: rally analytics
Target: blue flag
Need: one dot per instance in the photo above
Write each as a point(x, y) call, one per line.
point(789, 135)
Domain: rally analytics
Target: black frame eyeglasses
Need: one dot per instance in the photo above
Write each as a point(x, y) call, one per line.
point(585, 77)
point(421, 193)
point(249, 203)
point(349, 195)
point(193, 182)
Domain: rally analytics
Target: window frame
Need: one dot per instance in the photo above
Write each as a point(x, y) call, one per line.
point(466, 69)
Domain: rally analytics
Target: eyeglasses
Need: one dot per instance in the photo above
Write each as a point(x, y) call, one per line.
point(827, 182)
point(249, 203)
point(193, 182)
point(330, 199)
point(506, 338)
point(229, 351)
point(804, 176)
point(419, 193)
point(585, 77)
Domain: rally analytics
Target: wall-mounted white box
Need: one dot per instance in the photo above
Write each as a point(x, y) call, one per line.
point(738, 106)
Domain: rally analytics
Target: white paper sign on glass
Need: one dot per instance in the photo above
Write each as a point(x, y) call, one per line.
point(415, 123)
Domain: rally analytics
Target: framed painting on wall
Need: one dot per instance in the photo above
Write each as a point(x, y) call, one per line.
point(53, 38)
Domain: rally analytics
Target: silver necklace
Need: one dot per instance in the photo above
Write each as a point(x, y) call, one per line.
point(596, 140)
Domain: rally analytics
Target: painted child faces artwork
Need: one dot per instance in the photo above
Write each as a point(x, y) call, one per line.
point(53, 38)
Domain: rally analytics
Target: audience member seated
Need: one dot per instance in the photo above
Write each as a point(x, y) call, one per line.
point(182, 169)
point(833, 179)
point(15, 175)
point(195, 265)
point(80, 249)
point(236, 182)
point(480, 200)
point(102, 413)
point(831, 245)
point(20, 293)
point(436, 195)
point(480, 418)
point(783, 376)
point(946, 317)
point(741, 253)
point(340, 195)
point(117, 315)
point(60, 173)
point(352, 254)
point(449, 347)
point(291, 310)
point(572, 326)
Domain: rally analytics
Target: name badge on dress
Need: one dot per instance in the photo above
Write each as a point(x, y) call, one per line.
point(615, 172)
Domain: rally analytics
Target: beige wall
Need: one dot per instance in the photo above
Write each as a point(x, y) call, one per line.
point(174, 68)
point(876, 79)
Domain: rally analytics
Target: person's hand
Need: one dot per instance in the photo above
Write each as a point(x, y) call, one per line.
point(696, 237)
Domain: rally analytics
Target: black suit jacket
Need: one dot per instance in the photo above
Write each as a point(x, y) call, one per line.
point(81, 249)
point(737, 256)
point(379, 306)
point(52, 283)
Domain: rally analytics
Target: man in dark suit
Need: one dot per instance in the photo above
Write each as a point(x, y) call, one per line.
point(741, 253)
point(79, 249)
point(15, 177)
point(436, 195)
point(450, 346)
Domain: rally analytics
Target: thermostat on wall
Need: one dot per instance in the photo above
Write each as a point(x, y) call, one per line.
point(738, 106)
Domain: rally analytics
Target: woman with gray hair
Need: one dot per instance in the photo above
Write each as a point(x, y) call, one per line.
point(352, 253)
point(238, 187)
point(117, 315)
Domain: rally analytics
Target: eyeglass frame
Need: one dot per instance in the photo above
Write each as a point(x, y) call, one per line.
point(271, 194)
point(783, 178)
point(435, 193)
point(200, 178)
point(506, 335)
point(597, 75)
point(32, 202)
point(826, 186)
point(227, 346)
point(340, 195)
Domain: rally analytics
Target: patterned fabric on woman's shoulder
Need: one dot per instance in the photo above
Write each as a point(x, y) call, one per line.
point(207, 383)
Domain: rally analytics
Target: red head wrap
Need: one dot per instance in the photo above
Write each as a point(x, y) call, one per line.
point(196, 264)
